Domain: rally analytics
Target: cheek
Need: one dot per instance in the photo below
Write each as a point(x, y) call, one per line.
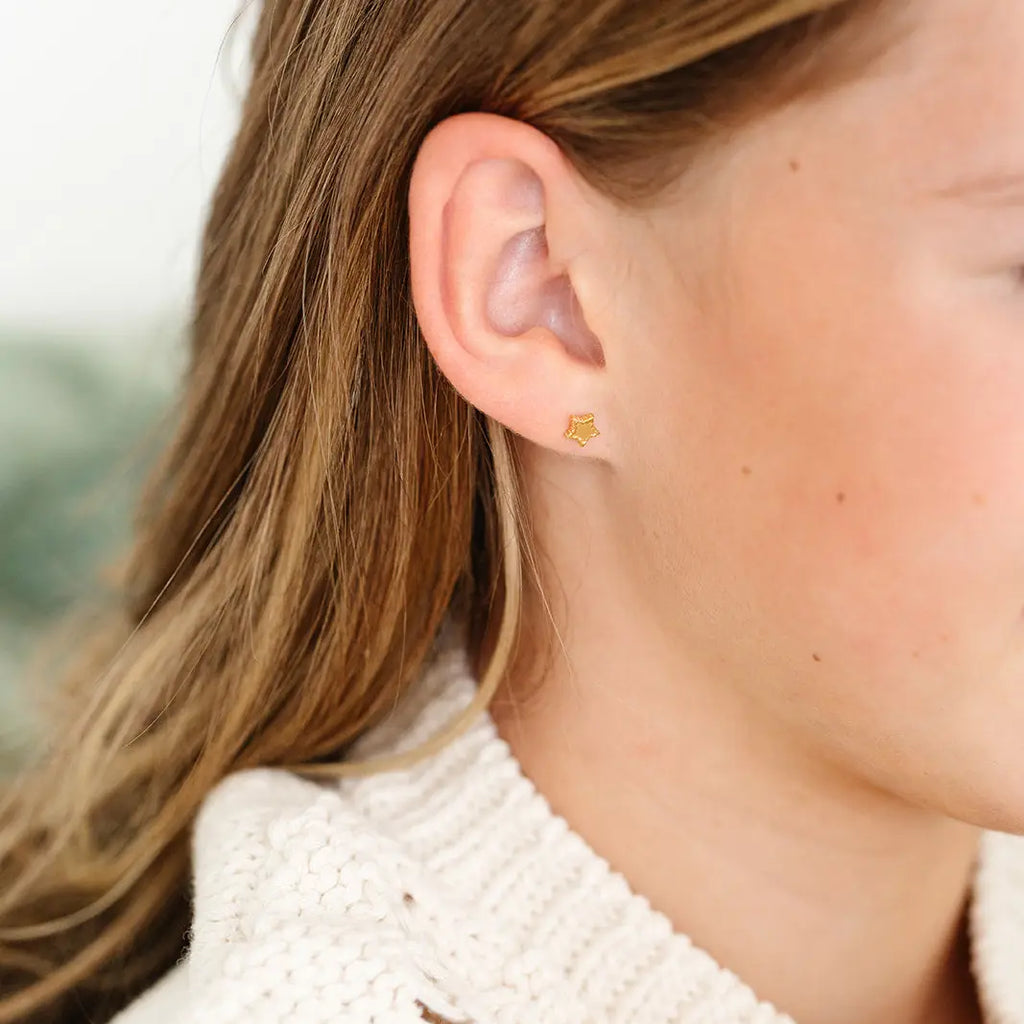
point(907, 499)
point(854, 468)
point(885, 504)
point(836, 528)
point(874, 522)
point(840, 483)
point(854, 555)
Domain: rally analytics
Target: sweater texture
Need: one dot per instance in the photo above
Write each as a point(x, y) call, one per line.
point(449, 891)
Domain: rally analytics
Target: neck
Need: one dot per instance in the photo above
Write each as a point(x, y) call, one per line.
point(831, 899)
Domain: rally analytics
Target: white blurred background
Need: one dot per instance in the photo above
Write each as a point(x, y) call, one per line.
point(115, 116)
point(115, 119)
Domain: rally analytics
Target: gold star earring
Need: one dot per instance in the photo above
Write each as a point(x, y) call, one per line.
point(581, 428)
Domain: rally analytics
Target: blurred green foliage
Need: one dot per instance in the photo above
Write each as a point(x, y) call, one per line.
point(79, 424)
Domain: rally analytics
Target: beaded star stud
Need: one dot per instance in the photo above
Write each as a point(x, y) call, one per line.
point(581, 428)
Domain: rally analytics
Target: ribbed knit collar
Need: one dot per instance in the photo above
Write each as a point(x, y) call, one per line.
point(473, 819)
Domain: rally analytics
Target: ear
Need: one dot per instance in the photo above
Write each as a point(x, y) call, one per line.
point(500, 226)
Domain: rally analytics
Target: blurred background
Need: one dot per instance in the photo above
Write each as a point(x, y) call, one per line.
point(116, 116)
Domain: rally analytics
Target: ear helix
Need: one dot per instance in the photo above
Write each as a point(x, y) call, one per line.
point(581, 428)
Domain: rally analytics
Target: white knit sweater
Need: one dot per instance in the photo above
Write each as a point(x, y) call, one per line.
point(450, 891)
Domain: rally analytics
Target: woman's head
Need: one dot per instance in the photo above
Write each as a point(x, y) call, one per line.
point(806, 363)
point(659, 238)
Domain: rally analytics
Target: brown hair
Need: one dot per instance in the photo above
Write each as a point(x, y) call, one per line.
point(328, 497)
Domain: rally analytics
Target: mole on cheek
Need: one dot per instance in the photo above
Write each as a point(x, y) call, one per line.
point(816, 657)
point(840, 497)
point(794, 165)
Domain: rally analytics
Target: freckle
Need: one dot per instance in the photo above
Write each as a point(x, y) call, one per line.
point(816, 657)
point(407, 897)
point(840, 497)
point(980, 499)
point(794, 165)
point(746, 471)
point(917, 654)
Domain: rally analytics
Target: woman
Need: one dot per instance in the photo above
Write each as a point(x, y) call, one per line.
point(586, 582)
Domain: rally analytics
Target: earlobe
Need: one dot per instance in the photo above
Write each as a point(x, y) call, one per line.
point(492, 293)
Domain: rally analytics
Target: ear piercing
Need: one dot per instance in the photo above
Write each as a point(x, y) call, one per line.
point(581, 428)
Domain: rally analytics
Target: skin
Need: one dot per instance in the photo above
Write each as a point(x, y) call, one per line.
point(786, 581)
